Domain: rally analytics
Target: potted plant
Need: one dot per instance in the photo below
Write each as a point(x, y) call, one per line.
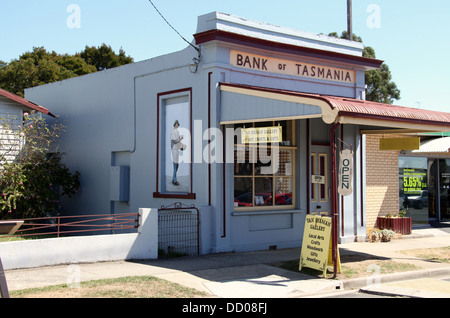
point(387, 235)
point(398, 223)
point(374, 235)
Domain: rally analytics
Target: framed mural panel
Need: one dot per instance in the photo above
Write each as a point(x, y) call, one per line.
point(174, 167)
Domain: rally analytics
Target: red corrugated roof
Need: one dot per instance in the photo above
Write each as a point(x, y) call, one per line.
point(356, 108)
point(363, 108)
point(25, 102)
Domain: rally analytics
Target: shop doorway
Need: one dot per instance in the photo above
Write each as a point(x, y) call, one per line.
point(320, 191)
point(439, 187)
point(444, 188)
point(424, 189)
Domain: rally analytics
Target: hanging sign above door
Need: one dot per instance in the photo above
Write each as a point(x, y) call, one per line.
point(411, 143)
point(345, 172)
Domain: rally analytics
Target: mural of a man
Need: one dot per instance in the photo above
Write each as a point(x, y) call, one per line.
point(176, 146)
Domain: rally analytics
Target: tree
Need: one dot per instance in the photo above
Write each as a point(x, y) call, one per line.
point(40, 67)
point(380, 87)
point(76, 64)
point(103, 57)
point(32, 177)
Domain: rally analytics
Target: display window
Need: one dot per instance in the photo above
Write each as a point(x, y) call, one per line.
point(413, 186)
point(264, 166)
point(424, 188)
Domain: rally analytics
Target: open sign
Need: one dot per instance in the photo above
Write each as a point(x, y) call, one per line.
point(345, 173)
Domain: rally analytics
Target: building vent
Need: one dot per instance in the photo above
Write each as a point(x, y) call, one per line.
point(120, 183)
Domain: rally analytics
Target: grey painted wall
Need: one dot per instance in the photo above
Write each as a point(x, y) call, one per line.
point(112, 118)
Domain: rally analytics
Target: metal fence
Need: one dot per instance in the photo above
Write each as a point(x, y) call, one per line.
point(71, 225)
point(178, 227)
point(178, 230)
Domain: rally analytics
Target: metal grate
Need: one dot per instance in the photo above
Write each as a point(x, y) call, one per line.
point(178, 230)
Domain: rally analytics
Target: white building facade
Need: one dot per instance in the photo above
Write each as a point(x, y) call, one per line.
point(258, 108)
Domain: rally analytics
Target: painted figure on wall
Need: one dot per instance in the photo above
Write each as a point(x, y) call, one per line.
point(176, 146)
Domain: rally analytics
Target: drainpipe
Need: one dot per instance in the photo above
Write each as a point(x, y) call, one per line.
point(334, 197)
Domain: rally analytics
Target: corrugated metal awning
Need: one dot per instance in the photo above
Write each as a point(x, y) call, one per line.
point(352, 111)
point(434, 146)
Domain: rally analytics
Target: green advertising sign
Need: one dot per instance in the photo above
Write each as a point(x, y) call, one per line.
point(414, 180)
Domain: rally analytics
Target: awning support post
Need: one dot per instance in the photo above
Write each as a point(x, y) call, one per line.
point(334, 197)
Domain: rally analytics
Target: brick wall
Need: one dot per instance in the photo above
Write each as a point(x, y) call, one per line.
point(381, 181)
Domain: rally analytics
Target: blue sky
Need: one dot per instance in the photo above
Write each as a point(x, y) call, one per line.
point(412, 37)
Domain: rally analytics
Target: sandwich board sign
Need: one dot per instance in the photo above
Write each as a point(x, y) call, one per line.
point(316, 246)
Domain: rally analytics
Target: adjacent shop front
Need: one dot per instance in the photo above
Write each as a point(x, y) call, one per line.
point(424, 181)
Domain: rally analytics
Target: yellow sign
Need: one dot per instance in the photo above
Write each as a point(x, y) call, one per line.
point(262, 135)
point(293, 68)
point(400, 143)
point(316, 245)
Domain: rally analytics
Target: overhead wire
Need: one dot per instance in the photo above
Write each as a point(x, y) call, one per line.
point(197, 60)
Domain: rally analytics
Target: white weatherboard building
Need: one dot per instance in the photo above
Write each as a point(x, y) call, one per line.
point(263, 113)
point(12, 110)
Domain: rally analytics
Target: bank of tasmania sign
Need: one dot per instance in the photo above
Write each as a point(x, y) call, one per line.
point(293, 68)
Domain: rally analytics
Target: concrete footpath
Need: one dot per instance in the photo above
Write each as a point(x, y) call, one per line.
point(251, 275)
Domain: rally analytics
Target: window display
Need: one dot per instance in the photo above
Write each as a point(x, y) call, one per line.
point(413, 186)
point(264, 164)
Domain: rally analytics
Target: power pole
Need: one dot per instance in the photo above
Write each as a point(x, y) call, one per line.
point(349, 20)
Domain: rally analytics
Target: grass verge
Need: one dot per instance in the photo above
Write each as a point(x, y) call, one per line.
point(126, 287)
point(354, 269)
point(356, 266)
point(440, 254)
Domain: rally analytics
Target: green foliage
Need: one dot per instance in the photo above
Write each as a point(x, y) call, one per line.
point(384, 235)
point(32, 177)
point(40, 67)
point(387, 235)
point(380, 87)
point(103, 57)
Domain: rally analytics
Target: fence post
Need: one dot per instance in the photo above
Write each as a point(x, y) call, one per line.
point(3, 285)
point(59, 223)
point(142, 218)
point(146, 243)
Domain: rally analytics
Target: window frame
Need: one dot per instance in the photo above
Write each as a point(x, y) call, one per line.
point(161, 191)
point(292, 148)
